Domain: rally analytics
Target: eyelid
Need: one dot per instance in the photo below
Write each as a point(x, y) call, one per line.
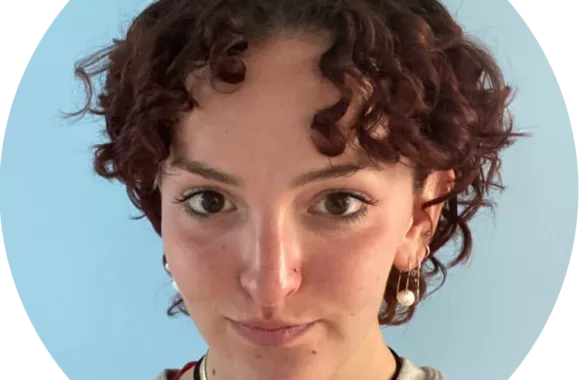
point(363, 199)
point(239, 203)
point(185, 195)
point(358, 195)
point(184, 199)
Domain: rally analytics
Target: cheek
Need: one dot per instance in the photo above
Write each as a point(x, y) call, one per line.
point(202, 266)
point(352, 272)
point(354, 268)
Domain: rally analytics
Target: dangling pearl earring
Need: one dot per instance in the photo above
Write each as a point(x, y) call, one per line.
point(406, 297)
point(173, 283)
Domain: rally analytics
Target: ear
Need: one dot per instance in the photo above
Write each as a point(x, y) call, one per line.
point(412, 250)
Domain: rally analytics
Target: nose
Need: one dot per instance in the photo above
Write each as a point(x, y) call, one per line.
point(272, 272)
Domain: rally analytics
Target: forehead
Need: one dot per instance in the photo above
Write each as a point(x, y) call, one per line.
point(268, 116)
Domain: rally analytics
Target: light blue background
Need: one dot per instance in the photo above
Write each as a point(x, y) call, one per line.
point(92, 282)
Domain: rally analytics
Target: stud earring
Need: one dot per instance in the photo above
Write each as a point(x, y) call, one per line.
point(406, 297)
point(173, 283)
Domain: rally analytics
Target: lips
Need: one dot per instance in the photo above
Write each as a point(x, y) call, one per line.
point(269, 325)
point(270, 333)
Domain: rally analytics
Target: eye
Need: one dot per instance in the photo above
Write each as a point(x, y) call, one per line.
point(342, 205)
point(205, 203)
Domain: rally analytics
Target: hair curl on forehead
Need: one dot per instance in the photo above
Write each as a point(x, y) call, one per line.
point(430, 94)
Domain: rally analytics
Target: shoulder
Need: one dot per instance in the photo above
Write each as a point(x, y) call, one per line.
point(165, 375)
point(176, 374)
point(409, 371)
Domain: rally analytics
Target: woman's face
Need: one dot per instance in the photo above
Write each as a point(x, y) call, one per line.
point(257, 225)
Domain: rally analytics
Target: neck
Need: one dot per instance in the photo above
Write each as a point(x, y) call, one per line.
point(372, 360)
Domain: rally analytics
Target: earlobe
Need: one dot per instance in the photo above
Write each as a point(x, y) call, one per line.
point(414, 249)
point(173, 283)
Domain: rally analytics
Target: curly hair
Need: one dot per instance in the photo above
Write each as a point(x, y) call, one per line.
point(439, 95)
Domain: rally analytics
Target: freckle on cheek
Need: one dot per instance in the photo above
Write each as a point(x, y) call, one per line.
point(314, 352)
point(213, 372)
point(259, 356)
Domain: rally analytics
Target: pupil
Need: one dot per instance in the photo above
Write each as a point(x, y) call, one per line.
point(337, 204)
point(212, 202)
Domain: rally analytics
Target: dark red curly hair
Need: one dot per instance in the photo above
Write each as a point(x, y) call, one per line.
point(439, 94)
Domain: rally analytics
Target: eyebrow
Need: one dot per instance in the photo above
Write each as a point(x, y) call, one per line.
point(206, 171)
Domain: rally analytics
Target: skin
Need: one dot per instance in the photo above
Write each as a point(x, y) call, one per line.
point(277, 249)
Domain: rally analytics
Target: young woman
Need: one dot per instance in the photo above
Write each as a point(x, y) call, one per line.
point(303, 162)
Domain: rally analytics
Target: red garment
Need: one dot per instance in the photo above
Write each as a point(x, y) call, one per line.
point(177, 375)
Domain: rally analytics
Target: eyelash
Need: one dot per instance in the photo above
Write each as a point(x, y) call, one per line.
point(358, 215)
point(190, 194)
point(348, 219)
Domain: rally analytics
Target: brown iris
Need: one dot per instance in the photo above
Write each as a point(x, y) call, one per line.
point(337, 204)
point(212, 202)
